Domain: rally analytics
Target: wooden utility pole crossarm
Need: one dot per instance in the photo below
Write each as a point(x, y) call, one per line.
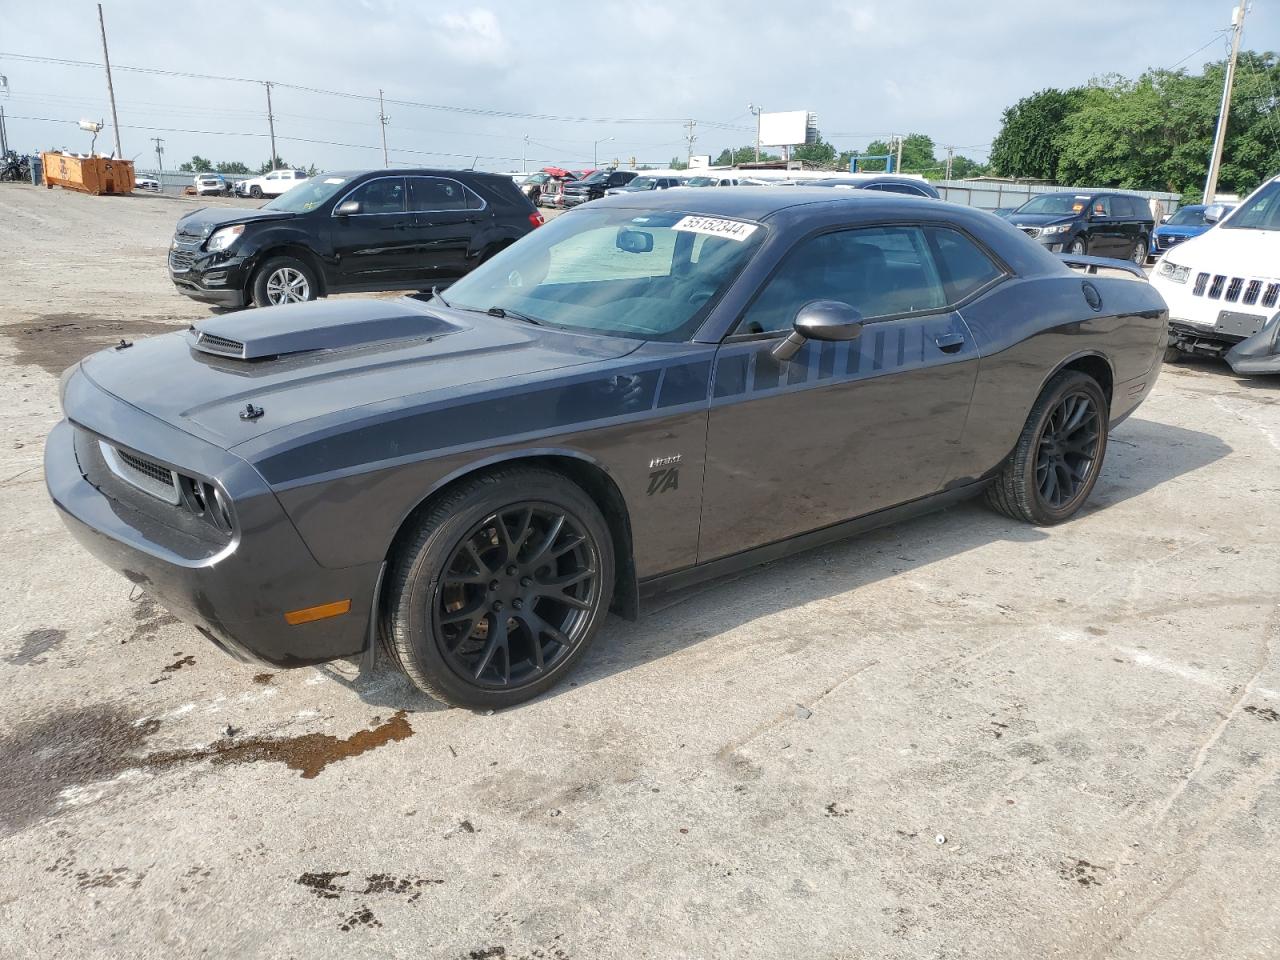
point(1220, 137)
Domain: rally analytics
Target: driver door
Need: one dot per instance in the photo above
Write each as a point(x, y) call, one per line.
point(375, 247)
point(843, 429)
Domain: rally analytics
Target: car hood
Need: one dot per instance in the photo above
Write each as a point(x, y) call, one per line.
point(331, 360)
point(1236, 253)
point(1037, 219)
point(1189, 230)
point(202, 222)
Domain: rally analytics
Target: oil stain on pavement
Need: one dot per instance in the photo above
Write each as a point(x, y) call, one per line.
point(35, 644)
point(73, 748)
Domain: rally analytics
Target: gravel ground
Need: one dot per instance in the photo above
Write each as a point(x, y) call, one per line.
point(957, 737)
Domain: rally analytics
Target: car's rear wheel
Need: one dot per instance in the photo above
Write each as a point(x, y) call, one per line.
point(499, 589)
point(284, 280)
point(1079, 247)
point(1059, 454)
point(1140, 252)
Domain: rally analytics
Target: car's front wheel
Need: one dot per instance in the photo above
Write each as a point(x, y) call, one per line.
point(498, 591)
point(1079, 247)
point(284, 280)
point(1059, 454)
point(256, 192)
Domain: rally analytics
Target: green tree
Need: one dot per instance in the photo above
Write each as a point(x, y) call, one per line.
point(819, 153)
point(917, 155)
point(734, 155)
point(267, 167)
point(231, 166)
point(962, 167)
point(1028, 143)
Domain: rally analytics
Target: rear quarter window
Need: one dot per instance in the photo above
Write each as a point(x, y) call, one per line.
point(965, 267)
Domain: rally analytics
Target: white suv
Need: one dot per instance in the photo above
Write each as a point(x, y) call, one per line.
point(271, 184)
point(211, 184)
point(1223, 287)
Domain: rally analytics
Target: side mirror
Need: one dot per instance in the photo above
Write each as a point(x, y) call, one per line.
point(1165, 218)
point(820, 320)
point(347, 208)
point(634, 241)
point(1214, 212)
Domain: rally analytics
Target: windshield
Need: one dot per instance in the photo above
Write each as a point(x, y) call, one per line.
point(700, 182)
point(1059, 204)
point(1260, 212)
point(616, 272)
point(1187, 217)
point(642, 183)
point(308, 195)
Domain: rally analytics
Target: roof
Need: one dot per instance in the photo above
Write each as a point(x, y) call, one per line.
point(755, 203)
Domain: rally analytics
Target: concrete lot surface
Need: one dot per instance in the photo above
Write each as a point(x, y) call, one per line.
point(957, 737)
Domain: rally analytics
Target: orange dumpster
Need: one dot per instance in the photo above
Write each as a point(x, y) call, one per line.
point(96, 175)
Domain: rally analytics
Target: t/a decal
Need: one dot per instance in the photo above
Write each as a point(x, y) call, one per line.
point(660, 481)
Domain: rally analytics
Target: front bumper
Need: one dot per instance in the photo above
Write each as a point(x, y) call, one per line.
point(1259, 354)
point(234, 589)
point(219, 278)
point(1208, 325)
point(574, 199)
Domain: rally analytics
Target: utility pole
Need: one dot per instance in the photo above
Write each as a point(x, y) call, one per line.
point(950, 153)
point(757, 111)
point(159, 162)
point(524, 154)
point(271, 124)
point(382, 120)
point(897, 166)
point(1220, 138)
point(4, 137)
point(690, 138)
point(111, 93)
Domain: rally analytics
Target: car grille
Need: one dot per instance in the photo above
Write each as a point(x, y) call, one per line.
point(180, 261)
point(1030, 231)
point(223, 345)
point(147, 475)
point(1164, 243)
point(1230, 289)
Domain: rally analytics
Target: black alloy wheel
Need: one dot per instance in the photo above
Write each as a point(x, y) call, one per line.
point(1068, 450)
point(516, 595)
point(499, 587)
point(1059, 454)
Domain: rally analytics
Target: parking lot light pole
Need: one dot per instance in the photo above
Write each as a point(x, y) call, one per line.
point(595, 160)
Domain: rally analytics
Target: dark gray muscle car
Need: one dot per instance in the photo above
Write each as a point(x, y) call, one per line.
point(652, 389)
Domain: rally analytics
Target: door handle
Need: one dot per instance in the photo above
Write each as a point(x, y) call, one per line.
point(949, 342)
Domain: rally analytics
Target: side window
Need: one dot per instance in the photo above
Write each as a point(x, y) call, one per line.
point(903, 188)
point(384, 195)
point(273, 176)
point(436, 193)
point(965, 268)
point(1101, 206)
point(880, 271)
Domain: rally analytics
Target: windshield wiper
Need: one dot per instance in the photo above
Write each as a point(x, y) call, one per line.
point(435, 295)
point(502, 313)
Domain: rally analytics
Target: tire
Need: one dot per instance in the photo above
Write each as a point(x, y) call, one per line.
point(1030, 485)
point(455, 575)
point(284, 280)
point(1139, 255)
point(1079, 247)
point(256, 192)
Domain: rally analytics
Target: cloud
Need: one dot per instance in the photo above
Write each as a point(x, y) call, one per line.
point(473, 37)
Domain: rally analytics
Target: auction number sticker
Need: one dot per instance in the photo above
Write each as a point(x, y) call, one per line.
point(716, 227)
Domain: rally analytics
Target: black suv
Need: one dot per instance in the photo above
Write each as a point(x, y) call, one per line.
point(1098, 224)
point(338, 232)
point(592, 187)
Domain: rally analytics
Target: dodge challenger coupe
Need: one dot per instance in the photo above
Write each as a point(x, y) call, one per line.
point(650, 390)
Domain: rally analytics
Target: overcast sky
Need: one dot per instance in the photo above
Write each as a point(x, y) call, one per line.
point(867, 69)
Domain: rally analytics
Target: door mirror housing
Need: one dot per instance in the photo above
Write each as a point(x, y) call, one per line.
point(1165, 218)
point(831, 320)
point(347, 208)
point(1214, 212)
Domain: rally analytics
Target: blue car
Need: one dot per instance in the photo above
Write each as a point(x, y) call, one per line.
point(1188, 222)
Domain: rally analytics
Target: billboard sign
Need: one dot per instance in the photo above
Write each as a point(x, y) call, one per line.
point(788, 128)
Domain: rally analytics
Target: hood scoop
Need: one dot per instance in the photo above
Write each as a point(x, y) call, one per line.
point(305, 327)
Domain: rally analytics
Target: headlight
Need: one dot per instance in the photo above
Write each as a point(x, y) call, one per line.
point(1057, 228)
point(224, 238)
point(1174, 272)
